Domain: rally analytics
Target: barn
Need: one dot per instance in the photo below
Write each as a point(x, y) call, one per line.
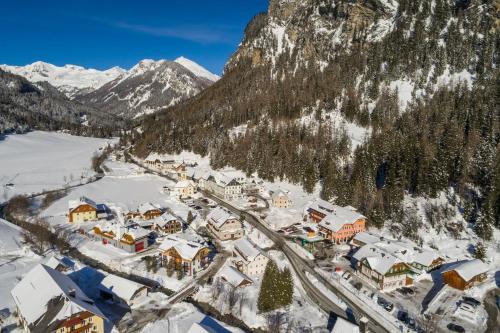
point(466, 274)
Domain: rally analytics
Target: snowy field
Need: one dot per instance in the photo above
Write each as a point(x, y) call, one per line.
point(15, 261)
point(39, 161)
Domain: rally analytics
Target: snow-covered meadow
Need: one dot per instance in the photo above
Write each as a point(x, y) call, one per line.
point(37, 161)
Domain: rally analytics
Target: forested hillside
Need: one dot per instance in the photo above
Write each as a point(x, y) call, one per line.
point(25, 106)
point(419, 75)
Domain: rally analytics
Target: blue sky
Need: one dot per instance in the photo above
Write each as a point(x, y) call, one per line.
point(103, 34)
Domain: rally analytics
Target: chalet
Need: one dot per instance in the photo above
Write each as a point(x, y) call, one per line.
point(280, 199)
point(319, 209)
point(167, 224)
point(82, 210)
point(191, 257)
point(120, 290)
point(48, 301)
point(222, 186)
point(184, 189)
point(382, 268)
point(248, 259)
point(148, 211)
point(130, 239)
point(466, 274)
point(224, 225)
point(234, 277)
point(341, 224)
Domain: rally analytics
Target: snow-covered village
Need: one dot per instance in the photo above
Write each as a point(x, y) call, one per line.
point(166, 241)
point(264, 166)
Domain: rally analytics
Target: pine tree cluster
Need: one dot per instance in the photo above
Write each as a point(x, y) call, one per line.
point(276, 290)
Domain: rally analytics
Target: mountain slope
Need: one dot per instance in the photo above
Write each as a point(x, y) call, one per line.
point(69, 79)
point(25, 105)
point(149, 86)
point(419, 74)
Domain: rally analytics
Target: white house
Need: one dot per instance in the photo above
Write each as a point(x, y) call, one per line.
point(248, 259)
point(281, 199)
point(224, 225)
point(120, 290)
point(184, 189)
point(223, 186)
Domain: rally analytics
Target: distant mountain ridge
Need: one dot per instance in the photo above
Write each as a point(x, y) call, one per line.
point(69, 79)
point(148, 86)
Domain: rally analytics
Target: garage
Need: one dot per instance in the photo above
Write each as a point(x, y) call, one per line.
point(139, 246)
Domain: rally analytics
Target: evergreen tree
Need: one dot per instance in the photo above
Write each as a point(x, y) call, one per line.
point(484, 222)
point(479, 251)
point(276, 290)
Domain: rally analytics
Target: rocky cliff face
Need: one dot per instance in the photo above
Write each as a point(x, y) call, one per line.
point(370, 98)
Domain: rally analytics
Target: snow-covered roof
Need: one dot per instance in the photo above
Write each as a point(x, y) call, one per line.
point(219, 216)
point(366, 237)
point(344, 326)
point(184, 183)
point(163, 219)
point(43, 284)
point(72, 204)
point(146, 207)
point(469, 269)
point(338, 217)
point(156, 157)
point(233, 276)
point(378, 259)
point(322, 206)
point(224, 180)
point(54, 262)
point(280, 194)
point(123, 288)
point(186, 249)
point(119, 230)
point(246, 249)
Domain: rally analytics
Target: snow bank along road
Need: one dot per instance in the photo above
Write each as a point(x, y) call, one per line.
point(377, 322)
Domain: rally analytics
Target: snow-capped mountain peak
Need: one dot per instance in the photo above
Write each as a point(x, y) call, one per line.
point(70, 79)
point(196, 69)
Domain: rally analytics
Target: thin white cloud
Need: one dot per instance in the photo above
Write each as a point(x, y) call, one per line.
point(198, 34)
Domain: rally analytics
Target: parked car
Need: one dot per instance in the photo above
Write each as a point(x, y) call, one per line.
point(388, 306)
point(346, 275)
point(471, 300)
point(411, 323)
point(467, 308)
point(455, 328)
point(402, 316)
point(381, 301)
point(408, 291)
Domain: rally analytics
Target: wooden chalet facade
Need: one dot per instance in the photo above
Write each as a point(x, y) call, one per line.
point(180, 254)
point(465, 275)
